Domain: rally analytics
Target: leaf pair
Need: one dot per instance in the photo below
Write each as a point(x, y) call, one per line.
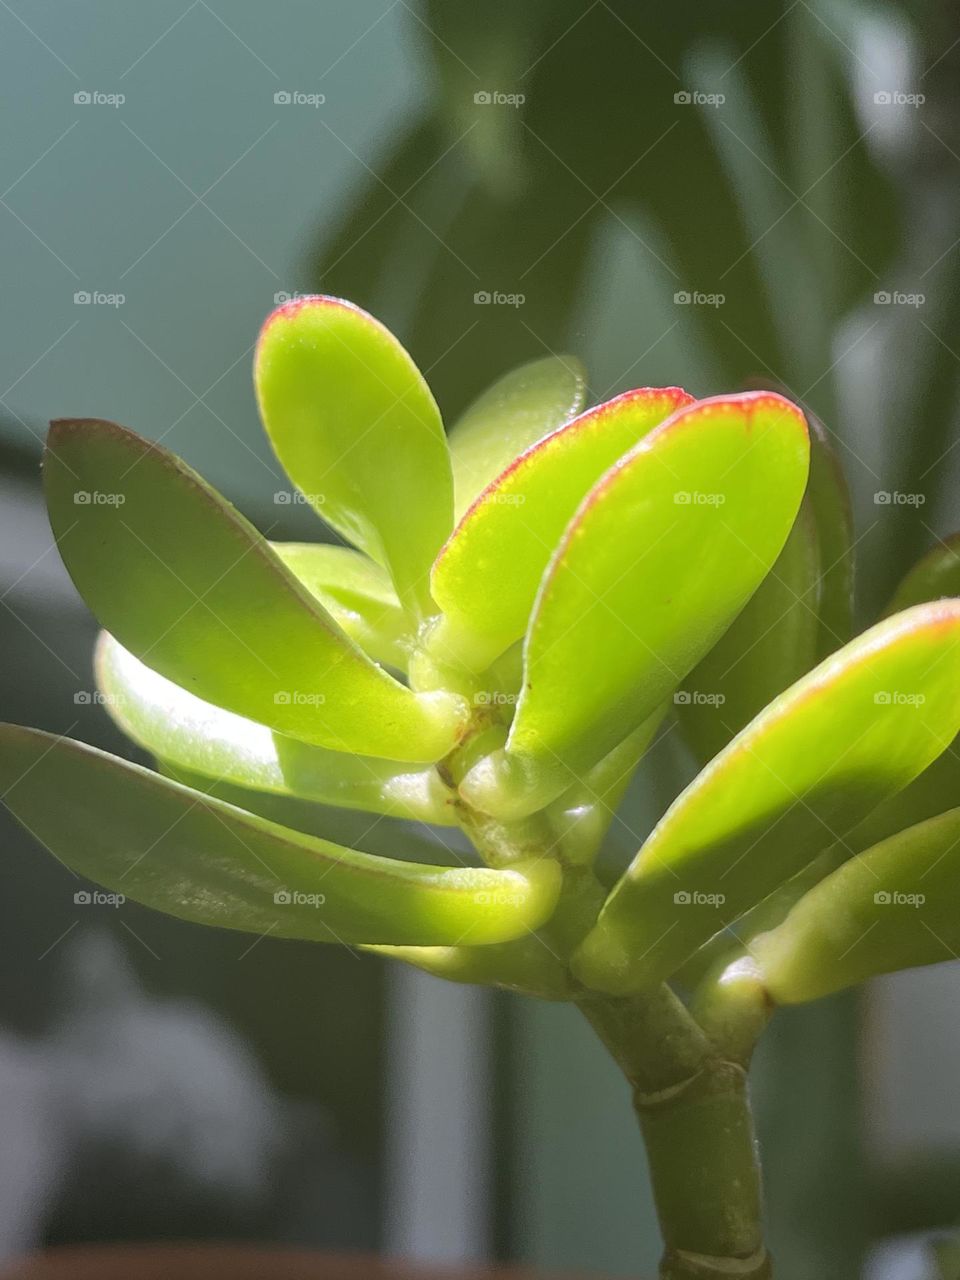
point(658, 558)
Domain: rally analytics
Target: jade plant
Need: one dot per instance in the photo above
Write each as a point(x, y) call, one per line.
point(517, 610)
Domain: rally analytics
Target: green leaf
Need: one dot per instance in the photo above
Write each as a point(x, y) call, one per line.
point(829, 500)
point(526, 965)
point(189, 586)
point(807, 769)
point(357, 430)
point(195, 857)
point(357, 594)
point(772, 643)
point(937, 574)
point(486, 577)
point(514, 413)
point(192, 735)
point(662, 555)
point(582, 816)
point(892, 907)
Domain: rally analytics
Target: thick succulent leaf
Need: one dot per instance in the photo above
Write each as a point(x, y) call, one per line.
point(189, 586)
point(185, 853)
point(357, 430)
point(937, 574)
point(486, 577)
point(803, 773)
point(357, 593)
point(829, 500)
point(662, 555)
point(771, 644)
point(517, 411)
point(181, 729)
point(893, 907)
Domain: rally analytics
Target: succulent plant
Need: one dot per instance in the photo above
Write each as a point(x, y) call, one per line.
point(525, 602)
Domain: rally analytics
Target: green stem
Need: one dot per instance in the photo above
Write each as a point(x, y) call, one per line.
point(693, 1107)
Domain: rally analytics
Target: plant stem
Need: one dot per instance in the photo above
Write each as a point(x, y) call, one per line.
point(692, 1104)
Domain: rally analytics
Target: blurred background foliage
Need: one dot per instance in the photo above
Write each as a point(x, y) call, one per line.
point(756, 153)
